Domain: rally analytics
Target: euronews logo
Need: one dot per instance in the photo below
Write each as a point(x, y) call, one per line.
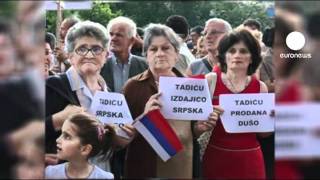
point(295, 41)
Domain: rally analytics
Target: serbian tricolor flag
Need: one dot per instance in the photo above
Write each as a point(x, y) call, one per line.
point(159, 134)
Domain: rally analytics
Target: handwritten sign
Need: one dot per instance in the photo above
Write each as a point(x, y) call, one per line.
point(185, 98)
point(247, 112)
point(297, 132)
point(111, 108)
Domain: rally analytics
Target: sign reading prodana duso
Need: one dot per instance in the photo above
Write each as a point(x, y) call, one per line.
point(247, 112)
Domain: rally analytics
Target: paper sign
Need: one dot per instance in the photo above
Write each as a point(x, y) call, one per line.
point(247, 112)
point(185, 98)
point(111, 108)
point(297, 131)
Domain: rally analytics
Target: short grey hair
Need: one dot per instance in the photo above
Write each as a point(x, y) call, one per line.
point(86, 29)
point(124, 20)
point(153, 30)
point(227, 25)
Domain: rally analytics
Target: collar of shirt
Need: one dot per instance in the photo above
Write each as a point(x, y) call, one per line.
point(185, 51)
point(77, 83)
point(116, 61)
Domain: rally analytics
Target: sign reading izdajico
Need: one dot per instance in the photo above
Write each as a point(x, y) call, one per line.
point(185, 98)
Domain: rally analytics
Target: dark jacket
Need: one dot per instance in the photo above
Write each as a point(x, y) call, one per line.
point(58, 96)
point(137, 66)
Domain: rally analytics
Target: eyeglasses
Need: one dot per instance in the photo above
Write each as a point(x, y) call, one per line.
point(95, 50)
point(214, 32)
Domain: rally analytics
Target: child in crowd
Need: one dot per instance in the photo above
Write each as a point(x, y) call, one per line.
point(82, 137)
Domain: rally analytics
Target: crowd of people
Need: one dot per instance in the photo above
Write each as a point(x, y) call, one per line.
point(107, 58)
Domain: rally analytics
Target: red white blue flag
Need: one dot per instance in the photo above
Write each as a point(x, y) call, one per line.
point(159, 134)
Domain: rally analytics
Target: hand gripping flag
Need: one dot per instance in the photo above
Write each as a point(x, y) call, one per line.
point(159, 134)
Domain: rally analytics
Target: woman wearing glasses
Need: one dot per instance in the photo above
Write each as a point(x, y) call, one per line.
point(72, 92)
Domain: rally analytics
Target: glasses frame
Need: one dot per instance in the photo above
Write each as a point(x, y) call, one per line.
point(89, 49)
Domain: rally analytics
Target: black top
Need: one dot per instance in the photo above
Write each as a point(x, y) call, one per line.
point(58, 95)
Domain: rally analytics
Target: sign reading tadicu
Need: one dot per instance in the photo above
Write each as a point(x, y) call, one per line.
point(247, 112)
point(111, 108)
point(185, 98)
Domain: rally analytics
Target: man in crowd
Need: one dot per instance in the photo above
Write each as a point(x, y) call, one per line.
point(120, 66)
point(252, 24)
point(214, 30)
point(62, 63)
point(180, 26)
point(195, 34)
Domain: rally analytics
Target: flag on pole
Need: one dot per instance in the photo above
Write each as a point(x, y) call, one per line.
point(159, 134)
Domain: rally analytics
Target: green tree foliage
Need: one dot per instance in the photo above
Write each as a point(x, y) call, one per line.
point(7, 9)
point(100, 12)
point(197, 12)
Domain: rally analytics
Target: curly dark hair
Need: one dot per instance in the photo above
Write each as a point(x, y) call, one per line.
point(250, 42)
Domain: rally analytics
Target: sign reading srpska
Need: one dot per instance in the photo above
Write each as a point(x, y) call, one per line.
point(247, 112)
point(111, 108)
point(185, 98)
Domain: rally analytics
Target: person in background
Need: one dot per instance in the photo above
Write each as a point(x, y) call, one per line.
point(120, 66)
point(195, 33)
point(30, 151)
point(62, 63)
point(214, 30)
point(49, 60)
point(137, 46)
point(201, 50)
point(252, 24)
point(180, 26)
point(7, 51)
point(21, 54)
point(267, 69)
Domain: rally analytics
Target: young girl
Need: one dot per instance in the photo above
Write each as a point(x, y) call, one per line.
point(82, 137)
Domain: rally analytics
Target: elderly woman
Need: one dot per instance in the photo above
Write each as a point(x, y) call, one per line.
point(161, 47)
point(72, 92)
point(236, 155)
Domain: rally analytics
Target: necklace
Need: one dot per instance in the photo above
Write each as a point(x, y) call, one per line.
point(233, 87)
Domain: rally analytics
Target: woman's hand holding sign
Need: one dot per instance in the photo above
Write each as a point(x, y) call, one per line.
point(203, 126)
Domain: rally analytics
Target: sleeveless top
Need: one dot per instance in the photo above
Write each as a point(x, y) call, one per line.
point(235, 141)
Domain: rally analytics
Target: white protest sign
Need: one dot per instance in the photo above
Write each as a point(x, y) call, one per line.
point(185, 98)
point(247, 112)
point(297, 131)
point(111, 108)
